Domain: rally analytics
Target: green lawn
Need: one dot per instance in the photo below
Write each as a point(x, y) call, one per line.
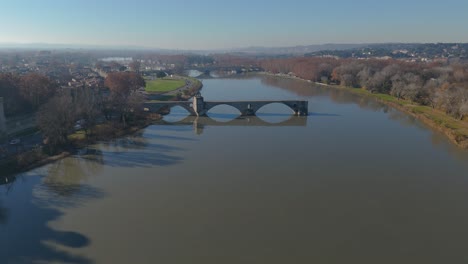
point(164, 85)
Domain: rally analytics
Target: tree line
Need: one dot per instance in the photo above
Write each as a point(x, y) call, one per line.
point(121, 103)
point(25, 93)
point(438, 85)
point(59, 112)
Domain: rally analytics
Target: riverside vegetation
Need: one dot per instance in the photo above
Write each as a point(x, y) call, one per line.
point(436, 93)
point(72, 119)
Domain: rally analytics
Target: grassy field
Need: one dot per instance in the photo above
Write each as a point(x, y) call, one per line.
point(163, 85)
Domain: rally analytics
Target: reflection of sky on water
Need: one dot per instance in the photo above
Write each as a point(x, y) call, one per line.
point(177, 113)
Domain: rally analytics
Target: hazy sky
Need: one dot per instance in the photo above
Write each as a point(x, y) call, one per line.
point(213, 24)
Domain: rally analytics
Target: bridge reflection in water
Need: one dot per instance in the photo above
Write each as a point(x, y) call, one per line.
point(199, 122)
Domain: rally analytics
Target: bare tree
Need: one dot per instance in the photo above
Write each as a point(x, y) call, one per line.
point(347, 74)
point(398, 84)
point(88, 105)
point(413, 86)
point(9, 90)
point(124, 96)
point(464, 109)
point(135, 66)
point(37, 89)
point(382, 80)
point(364, 77)
point(56, 119)
point(429, 92)
point(454, 100)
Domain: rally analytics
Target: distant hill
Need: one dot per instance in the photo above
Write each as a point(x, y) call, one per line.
point(393, 50)
point(297, 50)
point(400, 51)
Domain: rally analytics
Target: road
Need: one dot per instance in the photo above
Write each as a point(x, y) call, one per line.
point(27, 142)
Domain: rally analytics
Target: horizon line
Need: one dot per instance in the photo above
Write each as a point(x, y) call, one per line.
point(4, 45)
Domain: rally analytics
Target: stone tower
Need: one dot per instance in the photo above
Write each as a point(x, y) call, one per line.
point(199, 104)
point(2, 117)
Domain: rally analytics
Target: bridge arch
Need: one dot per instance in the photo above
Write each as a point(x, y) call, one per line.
point(275, 112)
point(187, 107)
point(156, 106)
point(210, 106)
point(225, 113)
point(177, 113)
point(273, 104)
point(246, 108)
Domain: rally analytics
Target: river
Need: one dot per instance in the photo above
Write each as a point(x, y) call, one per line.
point(354, 182)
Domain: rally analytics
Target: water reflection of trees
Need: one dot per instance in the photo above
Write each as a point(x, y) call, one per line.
point(60, 185)
point(306, 89)
point(6, 182)
point(49, 191)
point(65, 177)
point(27, 236)
point(341, 96)
point(139, 151)
point(437, 138)
point(3, 214)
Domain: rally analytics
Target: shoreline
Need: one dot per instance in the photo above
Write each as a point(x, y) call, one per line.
point(435, 119)
point(455, 130)
point(14, 164)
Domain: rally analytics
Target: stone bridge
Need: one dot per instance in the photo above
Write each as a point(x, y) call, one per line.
point(155, 106)
point(199, 107)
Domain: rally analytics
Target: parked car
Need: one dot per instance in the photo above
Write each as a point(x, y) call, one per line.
point(79, 124)
point(15, 141)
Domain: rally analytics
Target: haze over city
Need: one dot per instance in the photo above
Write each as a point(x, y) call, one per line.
point(210, 24)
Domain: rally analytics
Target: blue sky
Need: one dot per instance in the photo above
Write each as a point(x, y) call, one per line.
point(210, 24)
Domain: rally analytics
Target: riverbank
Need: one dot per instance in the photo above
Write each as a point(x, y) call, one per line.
point(455, 130)
point(38, 157)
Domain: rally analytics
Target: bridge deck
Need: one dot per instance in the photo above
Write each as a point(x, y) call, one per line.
point(200, 107)
point(257, 101)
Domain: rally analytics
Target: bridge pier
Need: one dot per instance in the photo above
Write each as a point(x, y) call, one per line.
point(199, 105)
point(300, 108)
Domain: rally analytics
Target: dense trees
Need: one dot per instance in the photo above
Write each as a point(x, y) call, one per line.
point(56, 119)
point(439, 85)
point(83, 107)
point(25, 93)
point(88, 106)
point(60, 110)
point(124, 98)
point(315, 69)
point(9, 90)
point(36, 89)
